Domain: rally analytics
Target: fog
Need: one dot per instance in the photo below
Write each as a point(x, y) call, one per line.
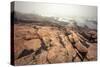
point(56, 10)
point(61, 12)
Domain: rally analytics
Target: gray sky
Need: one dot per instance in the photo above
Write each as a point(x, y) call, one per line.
point(58, 10)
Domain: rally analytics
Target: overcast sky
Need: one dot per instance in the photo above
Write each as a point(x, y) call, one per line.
point(58, 10)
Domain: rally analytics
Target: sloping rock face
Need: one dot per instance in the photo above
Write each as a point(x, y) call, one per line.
point(47, 45)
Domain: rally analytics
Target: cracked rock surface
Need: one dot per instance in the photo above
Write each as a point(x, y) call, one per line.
point(49, 44)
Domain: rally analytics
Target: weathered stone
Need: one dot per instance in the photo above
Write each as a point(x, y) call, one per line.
point(62, 47)
point(57, 55)
point(92, 54)
point(34, 44)
point(41, 58)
